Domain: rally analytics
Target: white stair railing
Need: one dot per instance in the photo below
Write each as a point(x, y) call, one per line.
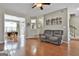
point(73, 33)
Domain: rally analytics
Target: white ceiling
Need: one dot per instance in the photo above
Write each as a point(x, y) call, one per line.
point(26, 8)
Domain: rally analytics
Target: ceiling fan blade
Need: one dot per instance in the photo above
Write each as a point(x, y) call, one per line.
point(33, 6)
point(41, 8)
point(46, 3)
point(40, 5)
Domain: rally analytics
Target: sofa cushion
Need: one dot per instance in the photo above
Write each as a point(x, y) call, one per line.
point(47, 32)
point(53, 38)
point(57, 35)
point(48, 35)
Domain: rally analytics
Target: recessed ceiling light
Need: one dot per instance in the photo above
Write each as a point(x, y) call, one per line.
point(77, 8)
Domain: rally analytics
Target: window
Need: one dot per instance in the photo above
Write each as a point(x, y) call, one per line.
point(40, 21)
point(33, 24)
point(10, 26)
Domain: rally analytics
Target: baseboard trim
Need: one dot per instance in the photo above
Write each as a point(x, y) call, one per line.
point(65, 42)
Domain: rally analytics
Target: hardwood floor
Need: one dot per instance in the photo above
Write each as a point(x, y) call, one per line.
point(34, 47)
point(74, 48)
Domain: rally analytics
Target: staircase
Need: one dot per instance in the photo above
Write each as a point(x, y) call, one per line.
point(74, 32)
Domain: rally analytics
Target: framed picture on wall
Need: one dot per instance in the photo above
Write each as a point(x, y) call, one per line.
point(48, 22)
point(52, 21)
point(56, 21)
point(60, 20)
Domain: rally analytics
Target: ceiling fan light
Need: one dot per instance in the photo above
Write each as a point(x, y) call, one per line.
point(39, 5)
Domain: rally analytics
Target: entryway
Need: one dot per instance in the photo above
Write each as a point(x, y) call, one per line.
point(14, 33)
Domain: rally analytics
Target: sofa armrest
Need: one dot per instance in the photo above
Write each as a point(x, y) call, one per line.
point(59, 40)
point(42, 36)
point(56, 39)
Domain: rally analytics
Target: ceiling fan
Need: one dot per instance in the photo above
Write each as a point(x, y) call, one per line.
point(39, 5)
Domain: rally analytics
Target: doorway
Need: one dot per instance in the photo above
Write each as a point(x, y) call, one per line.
point(14, 33)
